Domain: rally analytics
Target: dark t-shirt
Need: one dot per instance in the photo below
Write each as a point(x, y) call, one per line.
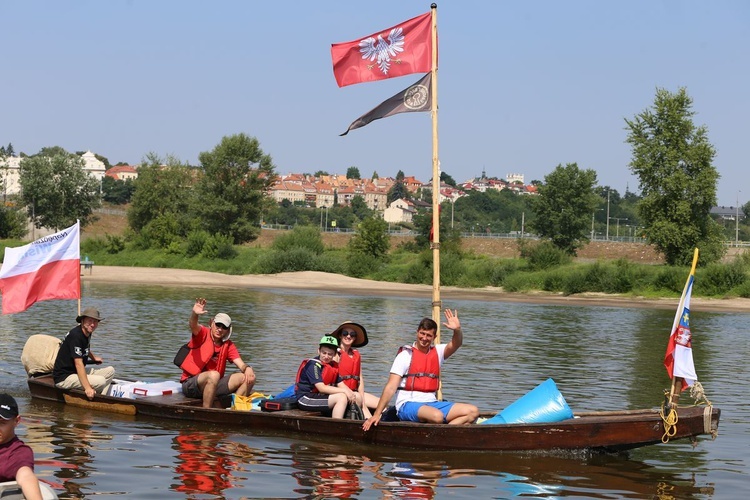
point(13, 455)
point(311, 374)
point(75, 345)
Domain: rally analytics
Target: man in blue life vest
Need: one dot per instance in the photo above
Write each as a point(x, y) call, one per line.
point(415, 375)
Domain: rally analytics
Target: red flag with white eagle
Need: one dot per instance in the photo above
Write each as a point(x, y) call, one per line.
point(679, 357)
point(45, 269)
point(401, 50)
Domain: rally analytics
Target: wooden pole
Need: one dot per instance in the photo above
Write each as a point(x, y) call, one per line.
point(435, 244)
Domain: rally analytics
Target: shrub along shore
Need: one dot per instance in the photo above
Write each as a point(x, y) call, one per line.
point(540, 267)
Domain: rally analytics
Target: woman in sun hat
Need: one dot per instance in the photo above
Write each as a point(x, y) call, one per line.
point(352, 335)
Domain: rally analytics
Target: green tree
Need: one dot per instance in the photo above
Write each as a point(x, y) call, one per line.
point(117, 191)
point(447, 179)
point(360, 208)
point(564, 206)
point(398, 191)
point(673, 161)
point(12, 223)
point(56, 190)
point(352, 173)
point(375, 175)
point(164, 187)
point(371, 238)
point(320, 173)
point(232, 190)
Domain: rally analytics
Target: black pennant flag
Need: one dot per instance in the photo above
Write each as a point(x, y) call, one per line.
point(417, 97)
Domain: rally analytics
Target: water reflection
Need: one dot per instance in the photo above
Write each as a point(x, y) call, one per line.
point(600, 358)
point(324, 473)
point(203, 464)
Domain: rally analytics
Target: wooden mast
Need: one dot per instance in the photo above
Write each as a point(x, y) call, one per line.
point(435, 243)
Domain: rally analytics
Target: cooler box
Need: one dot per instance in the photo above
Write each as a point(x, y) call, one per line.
point(131, 390)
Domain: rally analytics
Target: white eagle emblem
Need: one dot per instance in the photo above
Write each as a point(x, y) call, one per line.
point(382, 51)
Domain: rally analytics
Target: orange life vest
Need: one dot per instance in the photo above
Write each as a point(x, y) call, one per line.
point(329, 374)
point(424, 370)
point(350, 368)
point(201, 352)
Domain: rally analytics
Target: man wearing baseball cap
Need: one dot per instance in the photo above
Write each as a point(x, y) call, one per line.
point(75, 353)
point(16, 458)
point(210, 350)
point(316, 388)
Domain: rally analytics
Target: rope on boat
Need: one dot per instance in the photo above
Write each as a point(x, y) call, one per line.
point(668, 413)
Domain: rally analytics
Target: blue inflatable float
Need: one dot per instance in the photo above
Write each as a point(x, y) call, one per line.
point(544, 403)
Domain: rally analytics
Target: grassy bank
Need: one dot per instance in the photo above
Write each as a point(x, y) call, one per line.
point(527, 272)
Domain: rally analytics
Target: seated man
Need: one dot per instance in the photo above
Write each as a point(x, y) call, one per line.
point(415, 374)
point(16, 458)
point(210, 351)
point(75, 353)
point(316, 388)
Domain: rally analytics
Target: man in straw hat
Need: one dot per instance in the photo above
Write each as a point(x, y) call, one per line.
point(415, 375)
point(75, 353)
point(210, 350)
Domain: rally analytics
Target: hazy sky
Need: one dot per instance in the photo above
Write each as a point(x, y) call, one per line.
point(523, 85)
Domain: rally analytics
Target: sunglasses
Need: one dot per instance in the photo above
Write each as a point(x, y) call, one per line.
point(348, 333)
point(223, 327)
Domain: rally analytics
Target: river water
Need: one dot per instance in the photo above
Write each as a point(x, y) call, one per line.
point(601, 358)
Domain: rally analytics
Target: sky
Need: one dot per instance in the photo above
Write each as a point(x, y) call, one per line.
point(523, 85)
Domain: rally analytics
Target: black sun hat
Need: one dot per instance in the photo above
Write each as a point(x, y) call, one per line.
point(361, 339)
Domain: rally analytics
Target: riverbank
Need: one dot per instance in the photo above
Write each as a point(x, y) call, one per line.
point(312, 280)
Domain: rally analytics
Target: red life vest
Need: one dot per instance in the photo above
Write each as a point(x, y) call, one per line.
point(424, 370)
point(350, 368)
point(201, 353)
point(329, 374)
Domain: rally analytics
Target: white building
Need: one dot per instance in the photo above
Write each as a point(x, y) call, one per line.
point(400, 210)
point(10, 171)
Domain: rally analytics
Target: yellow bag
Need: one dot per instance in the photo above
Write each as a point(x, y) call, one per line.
point(245, 403)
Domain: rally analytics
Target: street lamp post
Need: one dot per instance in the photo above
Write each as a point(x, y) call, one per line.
point(737, 220)
point(592, 221)
point(618, 219)
point(607, 237)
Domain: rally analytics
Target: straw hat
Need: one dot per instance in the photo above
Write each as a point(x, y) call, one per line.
point(361, 339)
point(89, 312)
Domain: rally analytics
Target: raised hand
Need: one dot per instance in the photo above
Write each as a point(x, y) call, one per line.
point(451, 320)
point(200, 306)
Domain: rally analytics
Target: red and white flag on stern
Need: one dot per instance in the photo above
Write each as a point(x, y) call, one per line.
point(679, 357)
point(45, 269)
point(401, 50)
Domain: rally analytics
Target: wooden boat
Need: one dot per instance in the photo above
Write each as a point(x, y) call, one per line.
point(605, 431)
point(10, 490)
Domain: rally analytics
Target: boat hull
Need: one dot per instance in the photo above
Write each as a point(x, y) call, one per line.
point(608, 431)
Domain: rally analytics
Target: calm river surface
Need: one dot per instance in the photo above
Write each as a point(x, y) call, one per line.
point(600, 358)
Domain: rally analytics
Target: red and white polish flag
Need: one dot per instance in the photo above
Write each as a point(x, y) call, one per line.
point(45, 269)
